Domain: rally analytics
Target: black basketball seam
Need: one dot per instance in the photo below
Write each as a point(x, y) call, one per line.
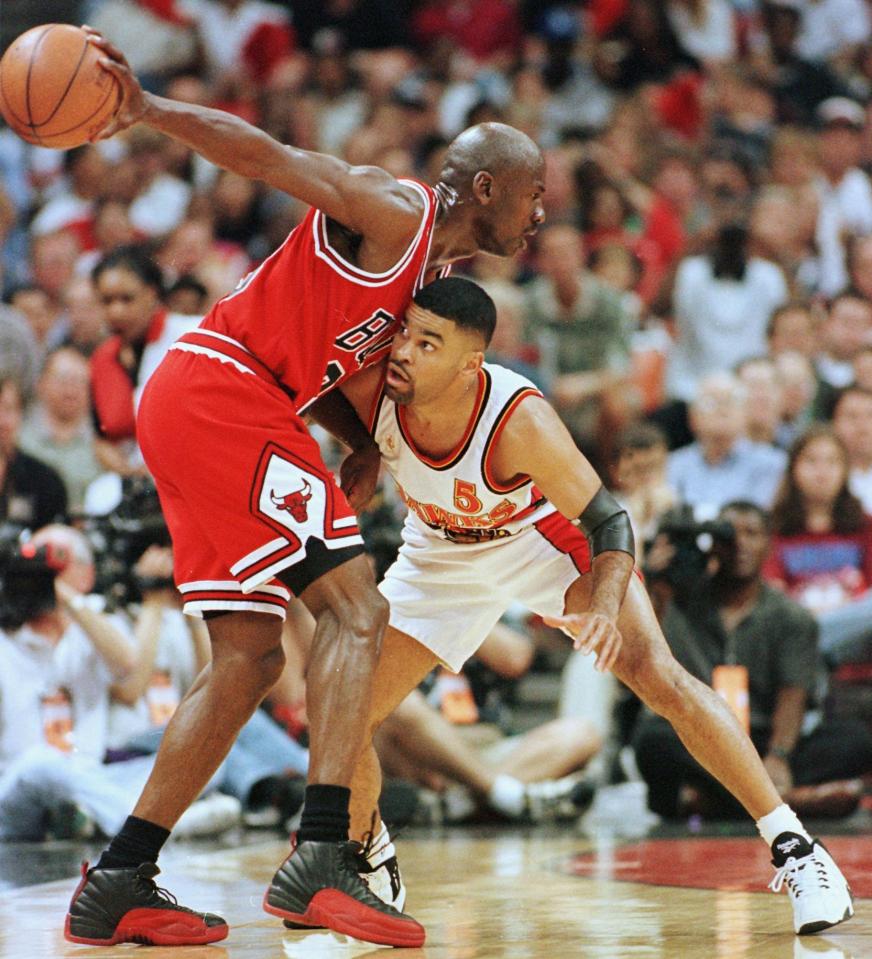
point(30, 122)
point(75, 73)
point(81, 123)
point(20, 120)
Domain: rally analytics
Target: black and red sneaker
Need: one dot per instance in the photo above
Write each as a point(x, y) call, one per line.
point(319, 885)
point(111, 906)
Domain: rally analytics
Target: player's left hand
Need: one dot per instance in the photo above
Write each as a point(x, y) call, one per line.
point(591, 632)
point(358, 475)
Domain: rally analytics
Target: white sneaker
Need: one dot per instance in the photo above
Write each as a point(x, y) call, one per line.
point(818, 891)
point(380, 870)
point(209, 817)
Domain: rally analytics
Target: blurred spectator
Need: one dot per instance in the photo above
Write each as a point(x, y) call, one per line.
point(161, 197)
point(72, 207)
point(798, 388)
point(35, 305)
point(833, 30)
point(763, 397)
point(361, 24)
point(640, 455)
point(792, 329)
point(20, 355)
point(705, 28)
point(507, 346)
point(852, 423)
point(841, 336)
point(782, 233)
point(31, 493)
point(723, 302)
point(734, 627)
point(83, 324)
point(250, 37)
point(53, 264)
point(822, 544)
point(58, 428)
point(188, 296)
point(192, 249)
point(130, 286)
point(581, 330)
point(722, 463)
point(486, 30)
point(799, 85)
point(860, 266)
point(844, 191)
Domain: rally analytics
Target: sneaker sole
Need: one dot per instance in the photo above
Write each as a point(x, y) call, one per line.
point(139, 931)
point(811, 927)
point(332, 909)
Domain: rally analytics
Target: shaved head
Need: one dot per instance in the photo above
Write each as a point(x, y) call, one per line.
point(493, 147)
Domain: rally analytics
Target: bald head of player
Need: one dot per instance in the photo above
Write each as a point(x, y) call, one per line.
point(439, 348)
point(495, 176)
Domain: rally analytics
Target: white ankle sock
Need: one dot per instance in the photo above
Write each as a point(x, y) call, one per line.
point(781, 819)
point(507, 795)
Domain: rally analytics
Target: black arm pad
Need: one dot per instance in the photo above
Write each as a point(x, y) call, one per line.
point(607, 525)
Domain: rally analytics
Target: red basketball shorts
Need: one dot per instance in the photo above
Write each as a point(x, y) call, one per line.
point(242, 483)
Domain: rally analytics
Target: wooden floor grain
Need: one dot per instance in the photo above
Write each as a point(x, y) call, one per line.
point(509, 896)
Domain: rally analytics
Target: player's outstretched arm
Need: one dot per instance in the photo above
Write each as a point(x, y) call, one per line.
point(364, 199)
point(537, 444)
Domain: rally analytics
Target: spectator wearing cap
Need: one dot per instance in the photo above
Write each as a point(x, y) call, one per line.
point(844, 191)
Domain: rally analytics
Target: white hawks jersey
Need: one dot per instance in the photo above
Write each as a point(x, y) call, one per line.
point(457, 497)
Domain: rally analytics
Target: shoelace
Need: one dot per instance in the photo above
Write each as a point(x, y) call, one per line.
point(800, 879)
point(158, 895)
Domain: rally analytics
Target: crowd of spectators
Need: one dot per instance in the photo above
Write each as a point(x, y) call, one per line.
point(698, 308)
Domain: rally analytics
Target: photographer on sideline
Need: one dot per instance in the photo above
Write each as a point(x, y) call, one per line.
point(59, 656)
point(759, 649)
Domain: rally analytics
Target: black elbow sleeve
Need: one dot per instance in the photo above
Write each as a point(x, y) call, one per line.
point(607, 525)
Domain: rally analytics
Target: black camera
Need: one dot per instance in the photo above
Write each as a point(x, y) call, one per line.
point(121, 537)
point(27, 575)
point(693, 543)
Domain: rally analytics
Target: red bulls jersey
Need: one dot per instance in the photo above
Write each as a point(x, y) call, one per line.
point(311, 317)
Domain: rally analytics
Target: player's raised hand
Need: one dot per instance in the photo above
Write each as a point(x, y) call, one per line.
point(591, 632)
point(358, 475)
point(133, 103)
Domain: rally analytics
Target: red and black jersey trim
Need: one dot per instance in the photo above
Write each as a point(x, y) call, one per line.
point(218, 595)
point(457, 454)
point(496, 430)
point(567, 538)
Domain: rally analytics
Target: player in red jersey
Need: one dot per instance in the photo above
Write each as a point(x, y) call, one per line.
point(255, 515)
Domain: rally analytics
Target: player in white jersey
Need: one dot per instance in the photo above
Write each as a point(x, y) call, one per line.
point(493, 481)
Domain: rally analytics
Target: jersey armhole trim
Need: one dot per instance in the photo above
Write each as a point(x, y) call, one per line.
point(349, 271)
point(499, 425)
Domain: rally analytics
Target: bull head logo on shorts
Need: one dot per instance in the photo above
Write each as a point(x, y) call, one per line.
point(294, 503)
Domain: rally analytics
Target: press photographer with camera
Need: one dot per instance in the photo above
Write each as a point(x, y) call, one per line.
point(59, 656)
point(758, 648)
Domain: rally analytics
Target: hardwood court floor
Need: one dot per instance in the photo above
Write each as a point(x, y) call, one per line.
point(512, 895)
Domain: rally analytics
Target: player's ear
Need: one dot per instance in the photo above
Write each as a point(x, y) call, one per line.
point(473, 362)
point(483, 187)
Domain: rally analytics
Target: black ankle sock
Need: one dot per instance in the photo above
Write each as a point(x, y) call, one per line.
point(139, 841)
point(325, 814)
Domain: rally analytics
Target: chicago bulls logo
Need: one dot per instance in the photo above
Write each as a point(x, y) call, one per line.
point(294, 503)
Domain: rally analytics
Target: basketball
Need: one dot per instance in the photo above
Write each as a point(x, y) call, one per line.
point(53, 92)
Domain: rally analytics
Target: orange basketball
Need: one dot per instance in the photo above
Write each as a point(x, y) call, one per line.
point(53, 92)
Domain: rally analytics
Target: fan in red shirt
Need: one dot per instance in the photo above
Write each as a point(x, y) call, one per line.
point(254, 513)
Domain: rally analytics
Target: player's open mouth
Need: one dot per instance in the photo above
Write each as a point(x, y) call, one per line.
point(395, 374)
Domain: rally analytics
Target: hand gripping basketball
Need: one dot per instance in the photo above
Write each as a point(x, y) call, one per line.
point(133, 103)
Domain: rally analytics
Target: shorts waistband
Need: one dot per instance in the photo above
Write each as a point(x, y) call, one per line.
point(222, 347)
